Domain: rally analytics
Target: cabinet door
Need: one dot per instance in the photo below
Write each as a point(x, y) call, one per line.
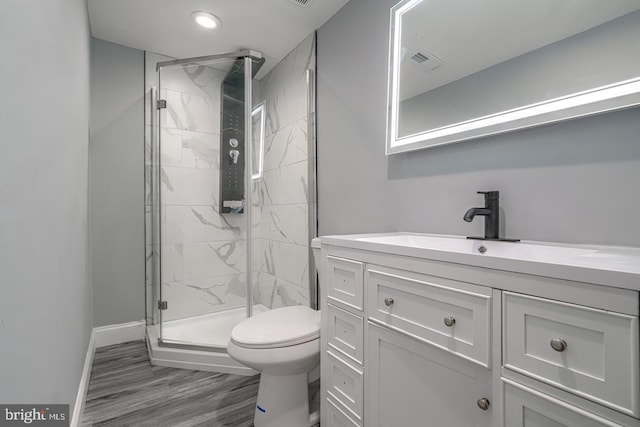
point(410, 383)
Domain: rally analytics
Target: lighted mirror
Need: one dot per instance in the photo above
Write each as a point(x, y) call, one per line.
point(465, 69)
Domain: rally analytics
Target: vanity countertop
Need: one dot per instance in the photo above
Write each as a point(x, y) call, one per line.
point(615, 266)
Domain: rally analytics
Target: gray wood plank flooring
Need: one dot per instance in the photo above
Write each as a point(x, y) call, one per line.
point(125, 390)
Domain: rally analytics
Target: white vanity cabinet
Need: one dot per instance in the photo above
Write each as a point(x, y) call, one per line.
point(417, 336)
point(401, 348)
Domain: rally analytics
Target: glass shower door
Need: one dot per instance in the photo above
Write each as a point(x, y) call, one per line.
point(203, 211)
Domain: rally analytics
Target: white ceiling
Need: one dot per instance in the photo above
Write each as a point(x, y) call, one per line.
point(272, 27)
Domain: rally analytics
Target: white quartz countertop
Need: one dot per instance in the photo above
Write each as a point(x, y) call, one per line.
point(616, 266)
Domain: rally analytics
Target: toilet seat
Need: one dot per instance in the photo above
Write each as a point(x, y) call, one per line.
point(282, 327)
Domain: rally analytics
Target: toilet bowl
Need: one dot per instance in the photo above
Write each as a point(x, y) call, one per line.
point(283, 344)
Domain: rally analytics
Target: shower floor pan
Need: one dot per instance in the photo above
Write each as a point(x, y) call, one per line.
point(199, 342)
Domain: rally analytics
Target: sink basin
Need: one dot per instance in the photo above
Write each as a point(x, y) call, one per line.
point(540, 258)
point(425, 241)
point(516, 250)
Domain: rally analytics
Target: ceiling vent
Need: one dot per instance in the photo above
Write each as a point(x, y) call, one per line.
point(420, 57)
point(425, 60)
point(303, 3)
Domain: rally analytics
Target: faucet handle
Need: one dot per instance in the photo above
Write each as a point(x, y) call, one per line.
point(490, 195)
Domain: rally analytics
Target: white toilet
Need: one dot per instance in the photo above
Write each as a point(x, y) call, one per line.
point(284, 345)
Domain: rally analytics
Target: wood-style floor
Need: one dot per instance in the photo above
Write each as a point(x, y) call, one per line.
point(125, 390)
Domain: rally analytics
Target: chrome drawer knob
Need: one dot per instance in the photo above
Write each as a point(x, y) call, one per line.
point(388, 301)
point(558, 344)
point(483, 403)
point(450, 321)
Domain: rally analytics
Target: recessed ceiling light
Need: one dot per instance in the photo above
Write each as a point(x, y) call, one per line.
point(206, 19)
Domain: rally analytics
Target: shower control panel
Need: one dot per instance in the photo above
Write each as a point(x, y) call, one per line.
point(233, 142)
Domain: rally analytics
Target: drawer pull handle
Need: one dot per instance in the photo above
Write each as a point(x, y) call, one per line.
point(450, 321)
point(558, 344)
point(388, 301)
point(483, 403)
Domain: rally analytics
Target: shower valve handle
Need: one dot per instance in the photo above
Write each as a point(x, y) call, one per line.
point(234, 154)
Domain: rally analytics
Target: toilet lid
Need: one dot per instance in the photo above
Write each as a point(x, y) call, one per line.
point(280, 327)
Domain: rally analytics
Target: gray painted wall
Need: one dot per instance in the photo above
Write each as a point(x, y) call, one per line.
point(570, 182)
point(45, 309)
point(117, 183)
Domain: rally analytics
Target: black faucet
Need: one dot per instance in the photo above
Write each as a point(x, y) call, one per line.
point(491, 212)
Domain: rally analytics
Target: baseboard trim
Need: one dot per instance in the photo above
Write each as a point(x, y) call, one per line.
point(81, 397)
point(103, 336)
point(121, 333)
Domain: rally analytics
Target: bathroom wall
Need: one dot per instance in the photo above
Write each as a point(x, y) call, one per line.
point(46, 309)
point(569, 182)
point(203, 251)
point(117, 183)
point(281, 197)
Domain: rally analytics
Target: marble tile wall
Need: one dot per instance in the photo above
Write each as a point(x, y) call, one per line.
point(281, 199)
point(203, 252)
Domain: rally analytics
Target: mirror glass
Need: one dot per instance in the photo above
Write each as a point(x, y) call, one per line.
point(464, 69)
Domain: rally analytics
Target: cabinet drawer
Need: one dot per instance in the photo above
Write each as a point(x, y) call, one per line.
point(344, 282)
point(591, 353)
point(336, 417)
point(454, 316)
point(345, 333)
point(345, 385)
point(526, 407)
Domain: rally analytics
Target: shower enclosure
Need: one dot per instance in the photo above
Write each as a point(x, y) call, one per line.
point(230, 179)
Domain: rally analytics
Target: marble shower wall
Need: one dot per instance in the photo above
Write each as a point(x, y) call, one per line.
point(203, 252)
point(281, 199)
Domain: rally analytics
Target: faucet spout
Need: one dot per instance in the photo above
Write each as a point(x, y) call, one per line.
point(471, 213)
point(491, 213)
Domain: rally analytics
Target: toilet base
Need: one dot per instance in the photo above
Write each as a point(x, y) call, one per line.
point(283, 401)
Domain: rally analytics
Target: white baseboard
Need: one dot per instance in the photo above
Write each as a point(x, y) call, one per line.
point(101, 337)
point(121, 333)
point(81, 397)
